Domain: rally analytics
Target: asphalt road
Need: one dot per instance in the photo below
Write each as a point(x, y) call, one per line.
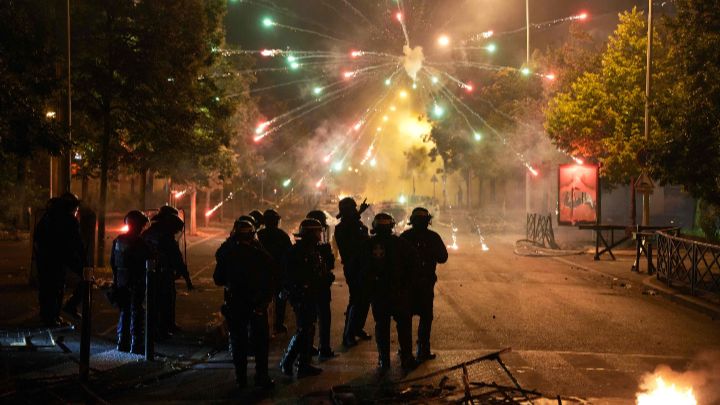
point(571, 332)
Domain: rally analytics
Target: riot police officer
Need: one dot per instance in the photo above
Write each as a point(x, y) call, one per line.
point(58, 248)
point(277, 243)
point(304, 269)
point(350, 233)
point(243, 269)
point(386, 263)
point(259, 219)
point(432, 251)
point(127, 259)
point(324, 295)
point(161, 238)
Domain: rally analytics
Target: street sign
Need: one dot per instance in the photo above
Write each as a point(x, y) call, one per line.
point(644, 184)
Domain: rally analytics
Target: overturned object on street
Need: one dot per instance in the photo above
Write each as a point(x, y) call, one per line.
point(483, 380)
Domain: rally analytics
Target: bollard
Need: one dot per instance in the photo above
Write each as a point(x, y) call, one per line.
point(86, 325)
point(150, 310)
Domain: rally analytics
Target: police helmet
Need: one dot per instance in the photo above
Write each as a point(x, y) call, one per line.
point(308, 226)
point(258, 216)
point(67, 202)
point(347, 206)
point(271, 215)
point(136, 219)
point(243, 229)
point(383, 222)
point(168, 210)
point(420, 217)
point(249, 219)
point(168, 216)
point(319, 215)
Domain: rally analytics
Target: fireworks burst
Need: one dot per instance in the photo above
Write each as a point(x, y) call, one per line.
point(393, 74)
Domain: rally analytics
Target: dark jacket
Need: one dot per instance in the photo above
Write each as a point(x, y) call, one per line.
point(127, 259)
point(386, 264)
point(58, 245)
point(305, 271)
point(246, 273)
point(276, 242)
point(431, 250)
point(349, 236)
point(165, 250)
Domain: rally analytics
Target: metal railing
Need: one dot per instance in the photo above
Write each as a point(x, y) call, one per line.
point(539, 230)
point(688, 262)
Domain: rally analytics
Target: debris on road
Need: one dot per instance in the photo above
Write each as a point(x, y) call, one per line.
point(483, 380)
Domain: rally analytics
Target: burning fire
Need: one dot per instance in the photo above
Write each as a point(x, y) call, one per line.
point(662, 393)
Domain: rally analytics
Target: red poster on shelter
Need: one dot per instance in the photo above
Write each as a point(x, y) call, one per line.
point(577, 194)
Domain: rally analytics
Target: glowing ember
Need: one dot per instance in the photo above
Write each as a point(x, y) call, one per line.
point(262, 127)
point(179, 194)
point(213, 209)
point(125, 229)
point(666, 394)
point(399, 17)
point(578, 160)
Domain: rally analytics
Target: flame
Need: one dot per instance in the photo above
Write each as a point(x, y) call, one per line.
point(664, 394)
point(125, 229)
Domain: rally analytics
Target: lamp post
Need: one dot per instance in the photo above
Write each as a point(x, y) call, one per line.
point(527, 29)
point(648, 89)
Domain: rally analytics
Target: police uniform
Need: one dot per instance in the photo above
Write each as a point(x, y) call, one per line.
point(160, 237)
point(58, 248)
point(386, 263)
point(277, 243)
point(432, 251)
point(325, 292)
point(127, 258)
point(244, 270)
point(304, 271)
point(350, 234)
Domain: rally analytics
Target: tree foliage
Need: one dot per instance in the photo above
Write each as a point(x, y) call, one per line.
point(601, 116)
point(689, 154)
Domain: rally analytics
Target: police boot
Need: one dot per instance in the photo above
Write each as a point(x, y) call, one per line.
point(264, 382)
point(423, 352)
point(408, 362)
point(289, 356)
point(305, 369)
point(123, 344)
point(348, 334)
point(137, 346)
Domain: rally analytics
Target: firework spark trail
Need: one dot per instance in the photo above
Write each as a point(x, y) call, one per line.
point(504, 140)
point(287, 12)
point(276, 86)
point(361, 15)
point(453, 99)
point(327, 99)
point(311, 32)
point(400, 16)
point(536, 26)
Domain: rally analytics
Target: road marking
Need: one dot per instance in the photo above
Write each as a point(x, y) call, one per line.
point(205, 239)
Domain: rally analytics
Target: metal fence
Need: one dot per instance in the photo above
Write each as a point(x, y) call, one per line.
point(687, 262)
point(539, 230)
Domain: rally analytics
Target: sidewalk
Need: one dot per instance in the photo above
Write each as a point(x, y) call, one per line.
point(619, 275)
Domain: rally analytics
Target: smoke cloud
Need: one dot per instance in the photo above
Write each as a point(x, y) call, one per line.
point(413, 61)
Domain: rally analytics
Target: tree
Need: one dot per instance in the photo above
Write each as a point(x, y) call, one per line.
point(601, 116)
point(28, 85)
point(144, 97)
point(689, 154)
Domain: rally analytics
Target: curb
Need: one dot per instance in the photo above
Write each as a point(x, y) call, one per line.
point(711, 310)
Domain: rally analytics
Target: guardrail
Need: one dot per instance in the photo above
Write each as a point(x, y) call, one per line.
point(539, 230)
point(691, 263)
